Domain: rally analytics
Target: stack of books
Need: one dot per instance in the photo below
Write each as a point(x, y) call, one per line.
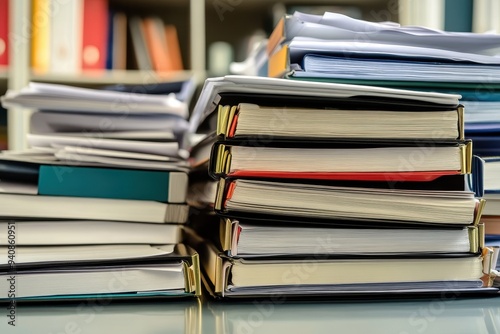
point(336, 48)
point(338, 190)
point(96, 206)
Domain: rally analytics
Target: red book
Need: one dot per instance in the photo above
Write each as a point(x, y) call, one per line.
point(424, 176)
point(95, 32)
point(4, 32)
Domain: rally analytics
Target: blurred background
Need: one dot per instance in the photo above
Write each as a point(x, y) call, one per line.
point(123, 41)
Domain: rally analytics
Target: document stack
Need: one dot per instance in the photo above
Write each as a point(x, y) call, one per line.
point(334, 190)
point(336, 48)
point(96, 207)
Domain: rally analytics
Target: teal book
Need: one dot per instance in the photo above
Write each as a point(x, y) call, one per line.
point(161, 186)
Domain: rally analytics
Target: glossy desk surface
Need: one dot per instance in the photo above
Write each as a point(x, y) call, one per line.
point(439, 316)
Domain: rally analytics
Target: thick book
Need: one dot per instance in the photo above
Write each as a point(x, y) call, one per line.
point(174, 54)
point(229, 277)
point(247, 120)
point(154, 34)
point(83, 208)
point(230, 90)
point(492, 225)
point(161, 186)
point(341, 160)
point(79, 272)
point(252, 238)
point(242, 197)
point(139, 44)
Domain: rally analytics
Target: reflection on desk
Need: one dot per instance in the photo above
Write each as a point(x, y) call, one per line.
point(404, 317)
point(439, 316)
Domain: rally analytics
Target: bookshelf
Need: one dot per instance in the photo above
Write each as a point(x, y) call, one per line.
point(199, 24)
point(187, 16)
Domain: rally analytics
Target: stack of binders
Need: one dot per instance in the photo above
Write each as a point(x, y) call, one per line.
point(96, 207)
point(333, 190)
point(336, 48)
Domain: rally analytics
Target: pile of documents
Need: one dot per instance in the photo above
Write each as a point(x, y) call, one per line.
point(335, 190)
point(96, 206)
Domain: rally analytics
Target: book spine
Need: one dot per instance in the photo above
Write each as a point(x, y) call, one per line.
point(138, 38)
point(119, 46)
point(110, 41)
point(156, 43)
point(95, 34)
point(276, 37)
point(4, 32)
point(161, 186)
point(173, 48)
point(40, 40)
point(278, 64)
point(66, 36)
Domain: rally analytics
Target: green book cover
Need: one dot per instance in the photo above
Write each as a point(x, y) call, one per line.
point(162, 186)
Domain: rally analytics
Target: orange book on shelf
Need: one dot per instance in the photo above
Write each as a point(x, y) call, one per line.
point(173, 47)
point(40, 40)
point(156, 44)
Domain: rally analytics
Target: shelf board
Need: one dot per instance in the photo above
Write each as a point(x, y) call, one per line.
point(115, 77)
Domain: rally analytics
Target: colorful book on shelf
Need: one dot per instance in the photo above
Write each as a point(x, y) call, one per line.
point(40, 35)
point(95, 34)
point(117, 41)
point(163, 45)
point(80, 272)
point(4, 32)
point(66, 37)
